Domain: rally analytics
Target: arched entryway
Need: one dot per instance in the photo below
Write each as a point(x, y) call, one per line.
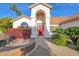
point(40, 18)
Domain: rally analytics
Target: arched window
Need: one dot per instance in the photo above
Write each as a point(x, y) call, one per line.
point(24, 24)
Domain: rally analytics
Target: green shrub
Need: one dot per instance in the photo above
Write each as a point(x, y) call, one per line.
point(73, 33)
point(77, 47)
point(59, 39)
point(59, 30)
point(1, 30)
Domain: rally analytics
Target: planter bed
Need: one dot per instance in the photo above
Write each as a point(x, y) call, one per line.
point(26, 48)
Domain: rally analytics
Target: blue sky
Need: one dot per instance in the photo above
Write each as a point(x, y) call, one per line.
point(59, 9)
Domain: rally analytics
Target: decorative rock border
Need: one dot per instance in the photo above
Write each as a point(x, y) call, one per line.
point(25, 49)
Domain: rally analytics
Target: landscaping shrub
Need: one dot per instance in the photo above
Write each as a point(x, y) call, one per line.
point(1, 30)
point(77, 47)
point(18, 33)
point(59, 39)
point(59, 30)
point(73, 33)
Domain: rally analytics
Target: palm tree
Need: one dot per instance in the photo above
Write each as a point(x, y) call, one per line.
point(14, 8)
point(18, 12)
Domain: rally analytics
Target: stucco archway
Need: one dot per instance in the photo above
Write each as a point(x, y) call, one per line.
point(37, 10)
point(40, 19)
point(40, 15)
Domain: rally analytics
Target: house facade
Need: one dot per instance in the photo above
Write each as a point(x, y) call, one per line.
point(41, 21)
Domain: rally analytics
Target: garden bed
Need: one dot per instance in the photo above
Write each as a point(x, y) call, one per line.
point(25, 49)
point(69, 37)
point(5, 39)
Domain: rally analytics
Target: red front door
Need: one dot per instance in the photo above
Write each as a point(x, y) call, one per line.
point(40, 30)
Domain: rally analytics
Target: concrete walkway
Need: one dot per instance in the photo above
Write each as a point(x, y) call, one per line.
point(42, 49)
point(41, 42)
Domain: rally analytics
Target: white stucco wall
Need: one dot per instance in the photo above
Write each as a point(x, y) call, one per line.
point(54, 25)
point(69, 24)
point(46, 10)
point(19, 21)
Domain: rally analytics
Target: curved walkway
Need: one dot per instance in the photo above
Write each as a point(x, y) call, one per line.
point(42, 49)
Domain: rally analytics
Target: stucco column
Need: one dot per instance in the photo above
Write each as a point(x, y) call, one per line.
point(47, 28)
point(33, 28)
point(47, 25)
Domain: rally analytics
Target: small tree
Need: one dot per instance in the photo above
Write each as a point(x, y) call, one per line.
point(5, 23)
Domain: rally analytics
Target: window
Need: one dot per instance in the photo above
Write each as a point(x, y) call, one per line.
point(24, 24)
